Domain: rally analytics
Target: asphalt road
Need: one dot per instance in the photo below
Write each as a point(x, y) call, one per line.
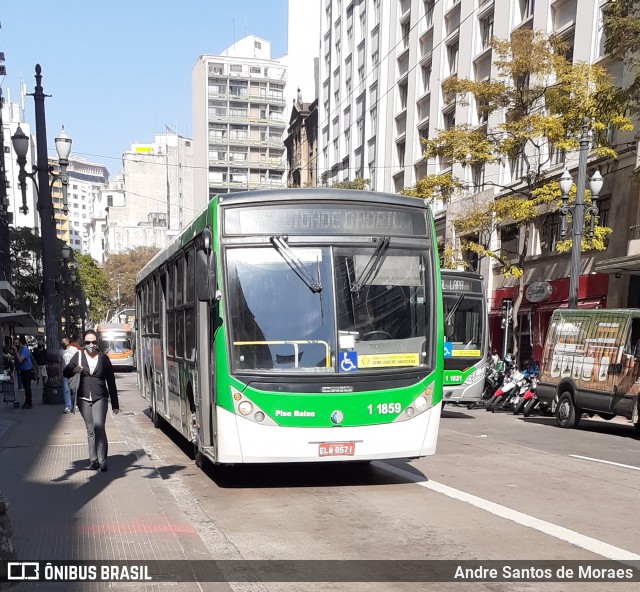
point(499, 488)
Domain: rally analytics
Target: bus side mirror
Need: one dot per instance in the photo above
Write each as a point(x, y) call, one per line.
point(205, 276)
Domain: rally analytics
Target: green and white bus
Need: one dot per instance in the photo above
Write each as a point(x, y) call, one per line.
point(466, 336)
point(296, 326)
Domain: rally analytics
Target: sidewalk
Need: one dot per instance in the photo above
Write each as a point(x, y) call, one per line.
point(61, 511)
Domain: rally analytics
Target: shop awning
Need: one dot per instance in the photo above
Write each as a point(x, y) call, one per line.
point(623, 265)
point(22, 321)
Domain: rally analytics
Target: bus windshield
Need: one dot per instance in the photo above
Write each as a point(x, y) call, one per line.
point(375, 298)
point(115, 345)
point(463, 327)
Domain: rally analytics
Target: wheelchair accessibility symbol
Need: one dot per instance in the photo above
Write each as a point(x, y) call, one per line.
point(348, 361)
point(448, 349)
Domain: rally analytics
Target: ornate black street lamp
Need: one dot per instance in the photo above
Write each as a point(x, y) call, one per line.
point(52, 391)
point(578, 210)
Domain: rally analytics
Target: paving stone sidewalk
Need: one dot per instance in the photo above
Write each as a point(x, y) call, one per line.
point(62, 511)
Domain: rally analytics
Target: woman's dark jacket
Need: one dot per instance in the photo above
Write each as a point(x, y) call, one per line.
point(100, 384)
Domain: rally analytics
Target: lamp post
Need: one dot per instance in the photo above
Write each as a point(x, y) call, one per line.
point(578, 211)
point(85, 316)
point(52, 391)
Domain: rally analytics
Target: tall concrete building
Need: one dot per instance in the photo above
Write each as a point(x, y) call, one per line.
point(238, 120)
point(86, 180)
point(382, 65)
point(156, 197)
point(303, 51)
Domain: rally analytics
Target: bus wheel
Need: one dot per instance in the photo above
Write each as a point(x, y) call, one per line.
point(567, 414)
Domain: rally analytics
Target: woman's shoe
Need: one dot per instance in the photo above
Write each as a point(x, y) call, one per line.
point(103, 467)
point(94, 466)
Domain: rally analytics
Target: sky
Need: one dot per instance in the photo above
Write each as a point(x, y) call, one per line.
point(119, 71)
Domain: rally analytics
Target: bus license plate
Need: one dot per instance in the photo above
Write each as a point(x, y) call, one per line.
point(337, 449)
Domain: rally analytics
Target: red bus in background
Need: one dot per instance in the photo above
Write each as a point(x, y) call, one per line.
point(117, 341)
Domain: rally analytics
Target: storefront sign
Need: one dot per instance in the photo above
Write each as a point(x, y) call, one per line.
point(538, 291)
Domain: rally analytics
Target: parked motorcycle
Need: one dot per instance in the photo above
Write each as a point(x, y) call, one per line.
point(527, 397)
point(515, 387)
point(497, 379)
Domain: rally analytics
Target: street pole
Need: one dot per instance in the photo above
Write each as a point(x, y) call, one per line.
point(578, 217)
point(48, 237)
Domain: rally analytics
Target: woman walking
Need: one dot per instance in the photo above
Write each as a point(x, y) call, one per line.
point(97, 383)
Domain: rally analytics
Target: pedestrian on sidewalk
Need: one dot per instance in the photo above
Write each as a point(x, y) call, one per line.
point(65, 353)
point(22, 357)
point(40, 356)
point(97, 383)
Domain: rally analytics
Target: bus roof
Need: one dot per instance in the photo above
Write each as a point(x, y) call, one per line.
point(271, 196)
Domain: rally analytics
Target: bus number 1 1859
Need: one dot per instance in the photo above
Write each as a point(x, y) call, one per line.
point(384, 408)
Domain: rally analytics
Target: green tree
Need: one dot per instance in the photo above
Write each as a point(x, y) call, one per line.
point(358, 184)
point(26, 271)
point(622, 41)
point(94, 286)
point(121, 271)
point(537, 104)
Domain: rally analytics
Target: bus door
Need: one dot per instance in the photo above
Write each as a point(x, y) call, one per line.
point(160, 356)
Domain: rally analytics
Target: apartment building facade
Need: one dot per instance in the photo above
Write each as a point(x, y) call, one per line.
point(85, 181)
point(238, 120)
point(154, 199)
point(381, 70)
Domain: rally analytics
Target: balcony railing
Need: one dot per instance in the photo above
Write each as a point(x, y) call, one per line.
point(268, 99)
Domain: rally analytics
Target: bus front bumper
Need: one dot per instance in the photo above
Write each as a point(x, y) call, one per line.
point(463, 393)
point(243, 441)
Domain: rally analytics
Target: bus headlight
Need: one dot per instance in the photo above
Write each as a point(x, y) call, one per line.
point(245, 408)
point(258, 416)
point(421, 403)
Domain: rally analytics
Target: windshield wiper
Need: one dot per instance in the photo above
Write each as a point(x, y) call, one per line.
point(372, 265)
point(454, 309)
point(282, 248)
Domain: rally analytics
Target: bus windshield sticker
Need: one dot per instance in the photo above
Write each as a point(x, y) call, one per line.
point(348, 361)
point(466, 353)
point(379, 360)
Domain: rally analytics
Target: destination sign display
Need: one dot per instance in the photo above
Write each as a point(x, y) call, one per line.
point(318, 219)
point(459, 284)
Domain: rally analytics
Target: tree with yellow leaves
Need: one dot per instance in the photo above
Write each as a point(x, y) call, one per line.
point(534, 107)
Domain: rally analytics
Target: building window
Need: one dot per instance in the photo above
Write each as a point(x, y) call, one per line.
point(374, 119)
point(255, 69)
point(235, 68)
point(426, 78)
point(453, 51)
point(509, 241)
point(486, 31)
point(478, 177)
point(403, 90)
point(257, 44)
point(550, 232)
point(428, 11)
point(526, 9)
point(405, 29)
point(401, 146)
point(449, 120)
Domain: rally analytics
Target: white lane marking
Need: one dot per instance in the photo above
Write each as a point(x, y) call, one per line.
point(606, 462)
point(564, 534)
